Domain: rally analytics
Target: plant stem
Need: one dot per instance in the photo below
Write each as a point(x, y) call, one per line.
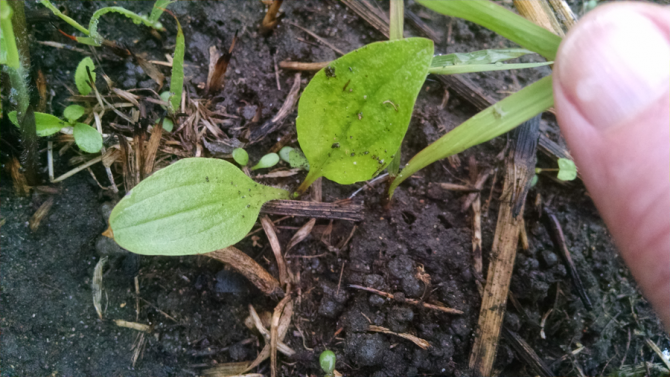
point(63, 17)
point(396, 20)
point(394, 166)
point(311, 177)
point(14, 67)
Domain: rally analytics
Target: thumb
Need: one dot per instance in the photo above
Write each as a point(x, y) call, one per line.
point(612, 97)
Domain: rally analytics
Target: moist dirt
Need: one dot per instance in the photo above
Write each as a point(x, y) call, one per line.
point(419, 248)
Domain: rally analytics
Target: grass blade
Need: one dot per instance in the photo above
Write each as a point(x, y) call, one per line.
point(137, 19)
point(469, 68)
point(159, 7)
point(504, 22)
point(63, 17)
point(487, 124)
point(177, 79)
point(478, 57)
point(396, 19)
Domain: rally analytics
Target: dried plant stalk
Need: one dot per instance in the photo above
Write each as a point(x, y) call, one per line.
point(414, 339)
point(301, 234)
point(132, 325)
point(300, 66)
point(96, 286)
point(248, 267)
point(40, 214)
point(269, 229)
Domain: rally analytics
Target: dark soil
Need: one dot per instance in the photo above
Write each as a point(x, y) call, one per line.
point(197, 307)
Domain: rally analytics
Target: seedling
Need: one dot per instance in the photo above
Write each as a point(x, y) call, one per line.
point(267, 161)
point(241, 156)
point(294, 157)
point(327, 361)
point(567, 171)
point(87, 138)
point(362, 104)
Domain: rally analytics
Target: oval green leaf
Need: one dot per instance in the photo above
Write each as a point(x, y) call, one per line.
point(194, 206)
point(73, 112)
point(267, 161)
point(567, 171)
point(81, 76)
point(241, 156)
point(88, 139)
point(46, 124)
point(294, 157)
point(354, 113)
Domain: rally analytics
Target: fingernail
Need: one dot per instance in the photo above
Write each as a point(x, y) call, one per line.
point(614, 65)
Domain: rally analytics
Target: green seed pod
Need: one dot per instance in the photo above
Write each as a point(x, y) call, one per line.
point(267, 161)
point(241, 156)
point(327, 361)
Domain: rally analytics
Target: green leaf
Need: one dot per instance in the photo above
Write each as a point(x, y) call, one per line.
point(81, 75)
point(240, 156)
point(177, 79)
point(567, 171)
point(194, 206)
point(478, 57)
point(354, 113)
point(136, 18)
point(504, 22)
point(294, 157)
point(46, 124)
point(487, 124)
point(73, 112)
point(469, 68)
point(3, 49)
point(267, 161)
point(88, 139)
point(327, 361)
point(159, 7)
point(168, 126)
point(65, 18)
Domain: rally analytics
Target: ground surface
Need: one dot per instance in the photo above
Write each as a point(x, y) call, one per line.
point(197, 307)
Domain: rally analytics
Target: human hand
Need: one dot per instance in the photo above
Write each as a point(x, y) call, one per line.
point(612, 99)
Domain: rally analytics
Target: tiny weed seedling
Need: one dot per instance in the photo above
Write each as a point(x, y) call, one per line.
point(567, 171)
point(267, 161)
point(327, 360)
point(362, 104)
point(240, 156)
point(87, 138)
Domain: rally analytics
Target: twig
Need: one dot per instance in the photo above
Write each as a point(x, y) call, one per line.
point(556, 234)
point(78, 169)
point(286, 109)
point(339, 283)
point(50, 159)
point(274, 333)
point(479, 184)
point(270, 21)
point(519, 171)
point(248, 267)
point(416, 340)
point(408, 300)
point(370, 184)
point(341, 211)
point(527, 354)
point(269, 229)
point(325, 42)
point(300, 66)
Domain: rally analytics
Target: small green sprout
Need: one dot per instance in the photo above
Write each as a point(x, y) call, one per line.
point(267, 161)
point(567, 171)
point(165, 97)
point(167, 124)
point(81, 75)
point(241, 156)
point(327, 361)
point(73, 112)
point(294, 157)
